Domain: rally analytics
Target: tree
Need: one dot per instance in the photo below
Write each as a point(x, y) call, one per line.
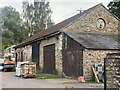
point(36, 16)
point(0, 33)
point(114, 7)
point(27, 18)
point(11, 30)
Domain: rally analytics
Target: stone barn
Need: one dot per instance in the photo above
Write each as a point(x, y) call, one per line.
point(73, 45)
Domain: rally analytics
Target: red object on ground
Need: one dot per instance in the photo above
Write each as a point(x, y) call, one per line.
point(81, 79)
point(9, 62)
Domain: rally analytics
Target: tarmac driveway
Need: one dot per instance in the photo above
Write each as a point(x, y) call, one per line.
point(9, 80)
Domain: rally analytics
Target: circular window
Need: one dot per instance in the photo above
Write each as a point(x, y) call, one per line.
point(101, 23)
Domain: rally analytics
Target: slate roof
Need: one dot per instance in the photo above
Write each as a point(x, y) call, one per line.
point(55, 28)
point(96, 41)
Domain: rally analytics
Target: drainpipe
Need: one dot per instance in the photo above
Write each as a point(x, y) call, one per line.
point(105, 74)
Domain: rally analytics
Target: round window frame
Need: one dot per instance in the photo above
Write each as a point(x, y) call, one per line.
point(104, 22)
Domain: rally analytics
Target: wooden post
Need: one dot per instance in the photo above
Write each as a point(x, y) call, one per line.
point(96, 77)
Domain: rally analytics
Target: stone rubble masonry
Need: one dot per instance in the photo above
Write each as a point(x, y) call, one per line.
point(85, 23)
point(91, 57)
point(27, 53)
point(113, 71)
point(88, 22)
point(58, 52)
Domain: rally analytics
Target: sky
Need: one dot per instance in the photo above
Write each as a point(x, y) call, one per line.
point(61, 9)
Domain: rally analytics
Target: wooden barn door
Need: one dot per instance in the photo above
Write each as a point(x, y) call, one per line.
point(73, 63)
point(49, 58)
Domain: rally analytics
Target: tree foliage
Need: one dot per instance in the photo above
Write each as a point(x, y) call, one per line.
point(36, 16)
point(11, 30)
point(114, 7)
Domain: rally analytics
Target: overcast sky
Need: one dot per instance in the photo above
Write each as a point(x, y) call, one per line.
point(62, 9)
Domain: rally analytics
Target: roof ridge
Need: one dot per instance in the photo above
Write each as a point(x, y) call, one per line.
point(86, 11)
point(93, 41)
point(56, 28)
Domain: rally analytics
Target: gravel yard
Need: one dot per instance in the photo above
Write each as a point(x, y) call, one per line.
point(9, 80)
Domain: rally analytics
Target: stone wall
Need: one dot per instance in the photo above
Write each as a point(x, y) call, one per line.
point(112, 63)
point(26, 52)
point(88, 22)
point(91, 57)
point(58, 53)
point(18, 54)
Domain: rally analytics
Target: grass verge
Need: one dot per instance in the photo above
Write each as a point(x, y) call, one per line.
point(47, 76)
